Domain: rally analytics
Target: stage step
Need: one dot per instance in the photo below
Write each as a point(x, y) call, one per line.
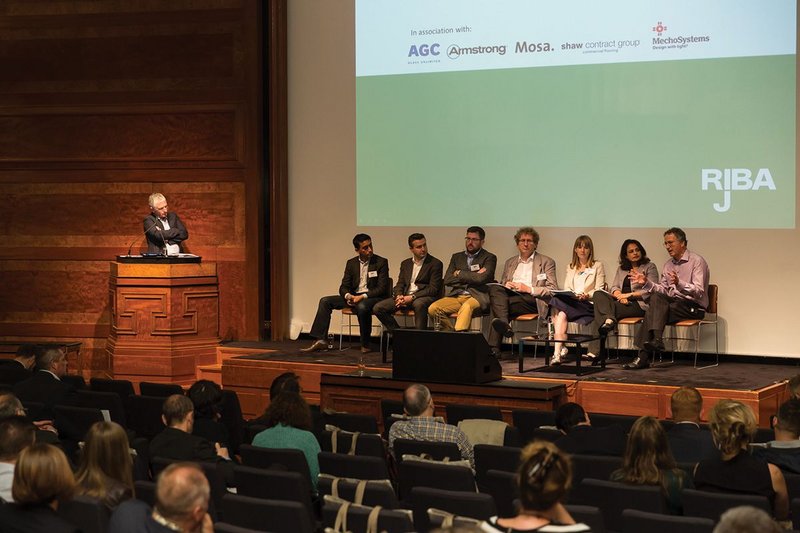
point(211, 373)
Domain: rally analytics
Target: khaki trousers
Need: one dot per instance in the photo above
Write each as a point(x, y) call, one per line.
point(464, 305)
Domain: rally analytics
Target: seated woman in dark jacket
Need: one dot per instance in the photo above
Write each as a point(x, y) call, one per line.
point(105, 470)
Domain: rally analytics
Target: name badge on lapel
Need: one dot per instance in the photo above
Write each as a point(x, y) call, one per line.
point(372, 274)
point(474, 268)
point(541, 277)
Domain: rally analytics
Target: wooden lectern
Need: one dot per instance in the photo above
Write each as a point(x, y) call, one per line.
point(165, 320)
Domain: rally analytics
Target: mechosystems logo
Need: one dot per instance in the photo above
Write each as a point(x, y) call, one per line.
point(454, 51)
point(734, 179)
point(660, 28)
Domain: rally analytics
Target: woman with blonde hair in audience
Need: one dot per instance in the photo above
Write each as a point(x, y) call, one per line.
point(106, 466)
point(544, 479)
point(42, 480)
point(585, 275)
point(648, 461)
point(733, 426)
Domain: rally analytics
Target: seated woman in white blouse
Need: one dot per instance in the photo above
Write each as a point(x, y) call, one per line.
point(584, 276)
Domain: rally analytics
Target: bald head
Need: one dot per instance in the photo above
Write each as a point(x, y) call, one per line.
point(417, 400)
point(182, 494)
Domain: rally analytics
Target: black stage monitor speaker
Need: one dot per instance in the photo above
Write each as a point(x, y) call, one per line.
point(443, 356)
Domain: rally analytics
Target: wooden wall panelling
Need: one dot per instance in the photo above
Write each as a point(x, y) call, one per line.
point(101, 103)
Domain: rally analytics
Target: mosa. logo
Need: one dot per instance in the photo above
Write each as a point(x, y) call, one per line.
point(734, 179)
point(660, 28)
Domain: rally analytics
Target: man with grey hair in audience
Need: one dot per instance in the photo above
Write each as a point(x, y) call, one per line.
point(182, 496)
point(746, 519)
point(420, 424)
point(45, 385)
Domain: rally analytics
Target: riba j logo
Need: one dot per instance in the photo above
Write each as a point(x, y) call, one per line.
point(734, 179)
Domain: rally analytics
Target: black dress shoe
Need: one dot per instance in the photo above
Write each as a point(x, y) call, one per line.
point(655, 345)
point(606, 328)
point(502, 327)
point(638, 363)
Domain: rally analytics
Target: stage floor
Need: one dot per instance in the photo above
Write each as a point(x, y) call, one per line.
point(249, 367)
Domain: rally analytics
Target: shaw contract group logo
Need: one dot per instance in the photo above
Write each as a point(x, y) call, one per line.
point(734, 179)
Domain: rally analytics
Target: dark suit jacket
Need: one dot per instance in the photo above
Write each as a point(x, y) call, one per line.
point(44, 388)
point(471, 281)
point(25, 519)
point(134, 516)
point(154, 230)
point(691, 444)
point(377, 283)
point(429, 279)
point(590, 440)
point(12, 371)
point(175, 444)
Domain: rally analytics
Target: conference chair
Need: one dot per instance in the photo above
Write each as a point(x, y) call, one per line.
point(488, 457)
point(88, 514)
point(438, 451)
point(349, 313)
point(282, 458)
point(529, 419)
point(144, 415)
point(79, 419)
point(121, 387)
point(389, 408)
point(602, 420)
point(352, 466)
point(360, 491)
point(502, 486)
point(635, 521)
point(455, 413)
point(76, 380)
point(694, 327)
point(516, 324)
point(712, 504)
point(352, 443)
point(109, 402)
point(273, 485)
point(593, 467)
point(161, 390)
point(351, 422)
point(145, 491)
point(223, 527)
point(435, 475)
point(469, 504)
point(357, 517)
point(590, 515)
point(613, 498)
point(795, 510)
point(279, 516)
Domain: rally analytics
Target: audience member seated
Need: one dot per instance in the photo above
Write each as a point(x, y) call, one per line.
point(288, 418)
point(206, 396)
point(784, 451)
point(689, 442)
point(182, 495)
point(746, 519)
point(733, 426)
point(422, 425)
point(581, 437)
point(11, 406)
point(648, 461)
point(45, 385)
point(16, 434)
point(20, 368)
point(106, 467)
point(176, 441)
point(544, 479)
point(42, 479)
point(793, 387)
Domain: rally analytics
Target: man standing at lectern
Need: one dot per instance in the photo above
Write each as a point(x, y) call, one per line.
point(418, 285)
point(164, 230)
point(524, 288)
point(364, 284)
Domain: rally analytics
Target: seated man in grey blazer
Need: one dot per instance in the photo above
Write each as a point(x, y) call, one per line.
point(465, 288)
point(524, 288)
point(418, 286)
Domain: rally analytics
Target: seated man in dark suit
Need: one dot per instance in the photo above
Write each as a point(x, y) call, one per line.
point(10, 406)
point(688, 441)
point(418, 286)
point(784, 451)
point(176, 441)
point(20, 368)
point(45, 385)
point(364, 283)
point(581, 437)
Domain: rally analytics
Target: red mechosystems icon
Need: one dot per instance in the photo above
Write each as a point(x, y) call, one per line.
point(659, 28)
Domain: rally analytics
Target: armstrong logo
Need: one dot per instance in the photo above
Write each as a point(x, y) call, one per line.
point(660, 28)
point(454, 51)
point(734, 179)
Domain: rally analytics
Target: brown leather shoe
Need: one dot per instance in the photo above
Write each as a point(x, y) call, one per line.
point(317, 346)
point(366, 349)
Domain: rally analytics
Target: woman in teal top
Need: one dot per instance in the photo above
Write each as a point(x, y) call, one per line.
point(289, 419)
point(649, 461)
